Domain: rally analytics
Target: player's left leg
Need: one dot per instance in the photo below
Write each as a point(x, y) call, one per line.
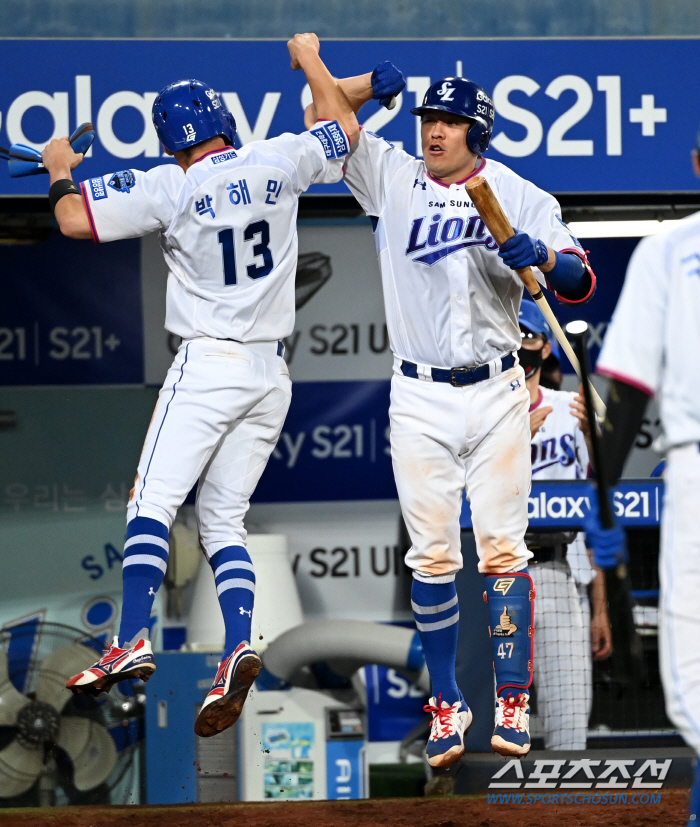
point(223, 497)
point(498, 484)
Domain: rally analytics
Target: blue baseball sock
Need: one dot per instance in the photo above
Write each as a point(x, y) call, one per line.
point(235, 584)
point(436, 611)
point(145, 561)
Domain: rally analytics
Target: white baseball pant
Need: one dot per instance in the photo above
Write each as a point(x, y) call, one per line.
point(679, 604)
point(217, 420)
point(446, 438)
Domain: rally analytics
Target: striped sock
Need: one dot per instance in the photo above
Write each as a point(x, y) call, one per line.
point(235, 584)
point(145, 561)
point(436, 611)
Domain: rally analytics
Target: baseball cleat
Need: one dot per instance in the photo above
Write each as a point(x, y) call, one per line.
point(450, 725)
point(115, 665)
point(511, 735)
point(223, 705)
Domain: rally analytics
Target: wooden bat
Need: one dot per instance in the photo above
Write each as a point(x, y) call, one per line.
point(628, 655)
point(500, 228)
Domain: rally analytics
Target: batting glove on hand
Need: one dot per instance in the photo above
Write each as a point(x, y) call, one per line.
point(387, 82)
point(522, 251)
point(609, 545)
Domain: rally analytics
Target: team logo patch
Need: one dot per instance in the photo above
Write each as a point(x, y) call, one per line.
point(123, 181)
point(505, 628)
point(223, 156)
point(333, 140)
point(515, 385)
point(97, 187)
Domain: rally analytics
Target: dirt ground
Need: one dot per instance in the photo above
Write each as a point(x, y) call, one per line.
point(472, 811)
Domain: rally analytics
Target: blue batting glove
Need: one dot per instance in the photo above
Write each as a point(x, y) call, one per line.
point(522, 251)
point(609, 545)
point(387, 82)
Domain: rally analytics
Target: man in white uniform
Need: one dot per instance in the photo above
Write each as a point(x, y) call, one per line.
point(459, 405)
point(651, 348)
point(227, 224)
point(566, 636)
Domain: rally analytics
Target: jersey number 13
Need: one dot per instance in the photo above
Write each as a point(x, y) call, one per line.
point(228, 251)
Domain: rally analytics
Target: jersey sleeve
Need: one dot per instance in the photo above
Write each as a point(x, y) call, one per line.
point(131, 203)
point(633, 347)
point(317, 155)
point(370, 169)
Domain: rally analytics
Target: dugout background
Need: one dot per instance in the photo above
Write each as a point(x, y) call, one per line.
point(82, 348)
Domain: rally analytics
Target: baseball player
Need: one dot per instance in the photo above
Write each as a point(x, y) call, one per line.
point(227, 224)
point(459, 405)
point(651, 348)
point(560, 568)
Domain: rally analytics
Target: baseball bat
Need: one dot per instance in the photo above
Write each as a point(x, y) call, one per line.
point(501, 229)
point(627, 645)
point(23, 160)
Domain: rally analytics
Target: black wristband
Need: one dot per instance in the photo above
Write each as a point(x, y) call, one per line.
point(66, 186)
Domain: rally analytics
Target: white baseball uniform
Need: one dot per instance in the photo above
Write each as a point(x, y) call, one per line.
point(562, 662)
point(653, 343)
point(228, 233)
point(452, 302)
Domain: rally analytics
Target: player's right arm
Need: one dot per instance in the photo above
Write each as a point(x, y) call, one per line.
point(329, 99)
point(633, 351)
point(125, 204)
point(60, 160)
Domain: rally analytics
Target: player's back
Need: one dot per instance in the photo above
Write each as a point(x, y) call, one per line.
point(227, 226)
point(232, 246)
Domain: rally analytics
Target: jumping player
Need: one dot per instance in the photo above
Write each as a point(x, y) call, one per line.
point(567, 636)
point(459, 405)
point(651, 348)
point(227, 224)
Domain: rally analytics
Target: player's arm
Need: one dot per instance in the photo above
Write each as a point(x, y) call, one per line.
point(601, 636)
point(66, 200)
point(330, 101)
point(567, 274)
point(382, 84)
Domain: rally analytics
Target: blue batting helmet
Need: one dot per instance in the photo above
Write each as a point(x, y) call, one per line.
point(463, 97)
point(531, 318)
point(188, 112)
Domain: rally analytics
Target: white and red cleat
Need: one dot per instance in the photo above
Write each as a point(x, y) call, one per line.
point(450, 725)
point(223, 705)
point(115, 665)
point(511, 736)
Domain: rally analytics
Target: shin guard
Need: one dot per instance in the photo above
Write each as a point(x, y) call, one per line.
point(511, 602)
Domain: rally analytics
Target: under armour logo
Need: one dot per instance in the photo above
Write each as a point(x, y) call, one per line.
point(243, 611)
point(514, 385)
point(151, 593)
point(418, 183)
point(445, 91)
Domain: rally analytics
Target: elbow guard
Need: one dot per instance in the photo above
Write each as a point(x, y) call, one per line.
point(571, 278)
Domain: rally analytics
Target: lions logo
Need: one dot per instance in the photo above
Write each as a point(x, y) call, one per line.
point(123, 181)
point(446, 91)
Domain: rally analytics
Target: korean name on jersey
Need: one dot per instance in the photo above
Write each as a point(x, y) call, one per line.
point(558, 449)
point(450, 300)
point(227, 229)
